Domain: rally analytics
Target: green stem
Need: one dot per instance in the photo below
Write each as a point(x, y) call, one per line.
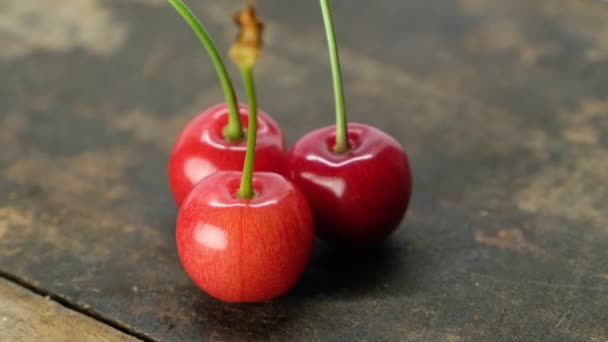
point(246, 190)
point(341, 122)
point(234, 130)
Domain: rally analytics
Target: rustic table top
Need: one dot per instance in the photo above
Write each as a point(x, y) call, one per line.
point(501, 105)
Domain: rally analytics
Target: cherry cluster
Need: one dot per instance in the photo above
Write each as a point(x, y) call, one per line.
point(249, 207)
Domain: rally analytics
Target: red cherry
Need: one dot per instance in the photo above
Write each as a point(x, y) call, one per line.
point(201, 149)
point(358, 197)
point(244, 250)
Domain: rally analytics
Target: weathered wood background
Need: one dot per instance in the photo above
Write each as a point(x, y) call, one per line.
point(501, 105)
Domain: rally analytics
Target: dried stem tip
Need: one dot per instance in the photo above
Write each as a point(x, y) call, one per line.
point(246, 49)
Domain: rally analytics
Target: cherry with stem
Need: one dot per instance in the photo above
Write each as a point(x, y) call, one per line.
point(245, 236)
point(356, 178)
point(215, 139)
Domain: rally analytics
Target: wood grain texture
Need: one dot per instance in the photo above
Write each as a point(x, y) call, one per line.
point(501, 105)
point(26, 316)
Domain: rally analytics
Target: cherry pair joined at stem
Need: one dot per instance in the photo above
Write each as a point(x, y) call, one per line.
point(241, 237)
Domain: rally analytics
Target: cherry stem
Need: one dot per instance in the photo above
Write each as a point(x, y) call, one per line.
point(341, 122)
point(234, 129)
point(246, 190)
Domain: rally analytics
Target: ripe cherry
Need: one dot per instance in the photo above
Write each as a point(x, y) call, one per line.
point(246, 242)
point(356, 178)
point(215, 139)
point(244, 250)
point(359, 196)
point(201, 149)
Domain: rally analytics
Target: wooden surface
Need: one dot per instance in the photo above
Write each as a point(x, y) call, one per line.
point(26, 316)
point(501, 105)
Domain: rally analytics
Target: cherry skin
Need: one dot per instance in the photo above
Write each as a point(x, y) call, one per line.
point(359, 197)
point(201, 149)
point(245, 250)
